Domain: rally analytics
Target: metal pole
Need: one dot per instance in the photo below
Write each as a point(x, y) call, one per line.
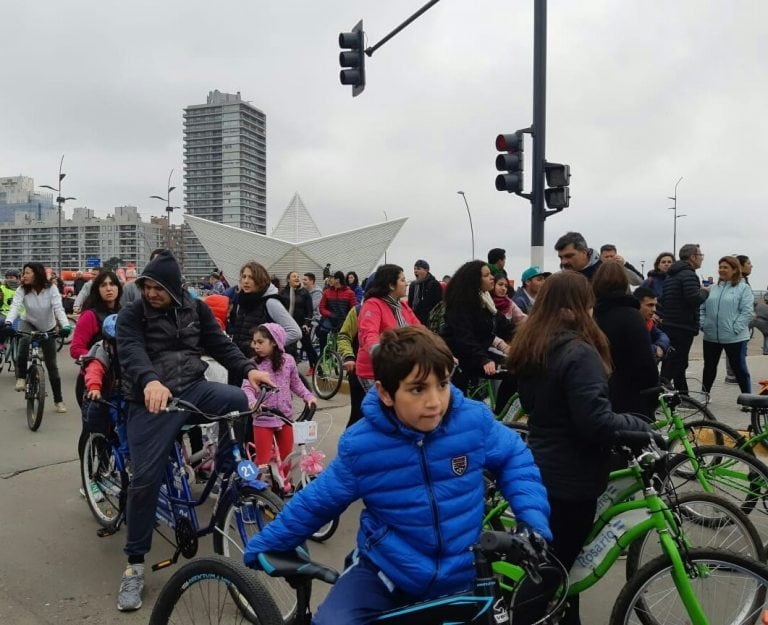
point(674, 208)
point(471, 228)
point(538, 213)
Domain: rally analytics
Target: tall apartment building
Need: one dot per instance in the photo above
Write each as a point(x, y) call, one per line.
point(122, 235)
point(17, 196)
point(225, 170)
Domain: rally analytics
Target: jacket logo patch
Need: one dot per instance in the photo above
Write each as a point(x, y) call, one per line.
point(459, 465)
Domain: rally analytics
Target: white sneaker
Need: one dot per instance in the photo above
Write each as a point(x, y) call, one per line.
point(59, 407)
point(21, 384)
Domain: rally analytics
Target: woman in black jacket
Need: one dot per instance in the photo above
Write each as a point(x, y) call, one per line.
point(617, 314)
point(471, 328)
point(298, 301)
point(562, 361)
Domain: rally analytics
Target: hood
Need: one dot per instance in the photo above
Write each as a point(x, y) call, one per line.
point(271, 290)
point(594, 257)
point(616, 300)
point(679, 266)
point(277, 332)
point(164, 270)
point(219, 305)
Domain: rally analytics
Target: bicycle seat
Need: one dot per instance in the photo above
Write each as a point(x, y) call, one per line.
point(295, 564)
point(752, 400)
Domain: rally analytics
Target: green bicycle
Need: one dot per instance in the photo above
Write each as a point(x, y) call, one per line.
point(701, 585)
point(486, 390)
point(328, 373)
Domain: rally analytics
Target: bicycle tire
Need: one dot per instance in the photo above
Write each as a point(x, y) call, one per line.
point(11, 351)
point(98, 466)
point(261, 507)
point(718, 521)
point(328, 375)
point(325, 532)
point(230, 592)
point(690, 408)
point(711, 565)
point(35, 397)
point(731, 473)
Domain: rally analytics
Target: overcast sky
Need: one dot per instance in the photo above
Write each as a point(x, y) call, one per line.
point(639, 93)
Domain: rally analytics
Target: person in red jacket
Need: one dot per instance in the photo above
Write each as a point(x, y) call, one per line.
point(383, 308)
point(337, 300)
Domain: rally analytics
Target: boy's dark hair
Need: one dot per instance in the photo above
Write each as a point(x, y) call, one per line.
point(311, 276)
point(402, 349)
point(643, 292)
point(339, 275)
point(495, 255)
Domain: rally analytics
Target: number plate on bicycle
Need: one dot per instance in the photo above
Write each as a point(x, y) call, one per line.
point(247, 470)
point(305, 432)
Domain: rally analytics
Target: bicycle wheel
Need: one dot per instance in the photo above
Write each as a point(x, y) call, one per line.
point(730, 589)
point(691, 408)
point(326, 531)
point(707, 521)
point(214, 590)
point(236, 522)
point(12, 349)
point(730, 473)
point(704, 432)
point(104, 485)
point(328, 375)
point(35, 397)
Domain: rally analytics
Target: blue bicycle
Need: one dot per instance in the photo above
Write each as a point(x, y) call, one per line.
point(222, 591)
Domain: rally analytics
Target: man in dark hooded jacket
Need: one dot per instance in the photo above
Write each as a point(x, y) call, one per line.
point(160, 339)
point(681, 298)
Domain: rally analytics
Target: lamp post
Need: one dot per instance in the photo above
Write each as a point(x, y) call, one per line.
point(385, 249)
point(60, 200)
point(471, 228)
point(642, 268)
point(168, 207)
point(676, 217)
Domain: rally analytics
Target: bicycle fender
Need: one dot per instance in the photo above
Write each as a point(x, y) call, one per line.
point(249, 474)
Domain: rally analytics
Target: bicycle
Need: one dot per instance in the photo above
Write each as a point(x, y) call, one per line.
point(34, 388)
point(328, 373)
point(9, 354)
point(62, 340)
point(486, 390)
point(671, 584)
point(305, 465)
point(242, 599)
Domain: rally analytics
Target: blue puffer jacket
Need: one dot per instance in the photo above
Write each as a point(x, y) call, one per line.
point(726, 314)
point(423, 494)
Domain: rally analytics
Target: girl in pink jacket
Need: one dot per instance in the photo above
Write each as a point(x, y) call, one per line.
point(268, 345)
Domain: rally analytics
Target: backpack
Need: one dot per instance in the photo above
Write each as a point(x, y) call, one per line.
point(436, 319)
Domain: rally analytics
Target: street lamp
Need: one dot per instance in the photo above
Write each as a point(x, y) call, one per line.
point(385, 249)
point(60, 199)
point(676, 217)
point(168, 207)
point(471, 229)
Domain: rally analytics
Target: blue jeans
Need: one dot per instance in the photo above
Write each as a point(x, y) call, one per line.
point(737, 357)
point(360, 594)
point(150, 439)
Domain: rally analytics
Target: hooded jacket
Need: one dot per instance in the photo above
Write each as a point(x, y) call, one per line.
point(286, 380)
point(423, 494)
point(681, 298)
point(571, 420)
point(166, 344)
point(727, 312)
point(375, 316)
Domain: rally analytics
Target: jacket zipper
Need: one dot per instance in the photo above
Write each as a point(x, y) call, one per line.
point(433, 504)
point(717, 314)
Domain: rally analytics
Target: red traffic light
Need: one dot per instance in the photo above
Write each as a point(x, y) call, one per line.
point(510, 143)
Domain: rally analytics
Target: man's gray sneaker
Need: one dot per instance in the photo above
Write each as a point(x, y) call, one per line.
point(131, 587)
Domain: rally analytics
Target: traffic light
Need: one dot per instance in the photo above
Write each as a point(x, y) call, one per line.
point(353, 57)
point(558, 177)
point(511, 162)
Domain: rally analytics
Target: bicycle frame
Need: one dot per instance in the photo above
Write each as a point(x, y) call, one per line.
point(621, 520)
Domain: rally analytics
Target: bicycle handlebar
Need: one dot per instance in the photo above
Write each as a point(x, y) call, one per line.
point(177, 404)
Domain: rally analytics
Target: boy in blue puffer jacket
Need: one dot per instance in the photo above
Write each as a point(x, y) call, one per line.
point(416, 460)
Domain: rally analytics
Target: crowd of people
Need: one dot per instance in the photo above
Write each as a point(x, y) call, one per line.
point(578, 346)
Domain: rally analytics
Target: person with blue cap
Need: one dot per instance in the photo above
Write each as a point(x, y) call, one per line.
point(532, 280)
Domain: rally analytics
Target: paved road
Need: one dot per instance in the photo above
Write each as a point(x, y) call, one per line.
point(54, 569)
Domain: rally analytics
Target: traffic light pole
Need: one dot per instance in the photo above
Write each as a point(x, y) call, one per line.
point(538, 211)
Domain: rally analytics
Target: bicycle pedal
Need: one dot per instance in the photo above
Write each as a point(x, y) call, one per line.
point(163, 564)
point(105, 531)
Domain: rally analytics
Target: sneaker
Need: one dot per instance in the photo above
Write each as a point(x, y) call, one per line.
point(131, 586)
point(21, 384)
point(59, 407)
point(731, 380)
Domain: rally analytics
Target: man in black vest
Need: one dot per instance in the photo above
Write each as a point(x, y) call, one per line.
point(160, 339)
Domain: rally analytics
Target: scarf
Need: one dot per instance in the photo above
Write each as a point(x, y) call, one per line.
point(397, 310)
point(487, 301)
point(291, 300)
point(503, 304)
